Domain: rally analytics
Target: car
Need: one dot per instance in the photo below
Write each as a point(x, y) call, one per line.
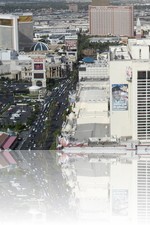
point(19, 138)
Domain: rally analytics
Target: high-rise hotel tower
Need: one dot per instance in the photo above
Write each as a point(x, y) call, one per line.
point(105, 19)
point(16, 31)
point(9, 32)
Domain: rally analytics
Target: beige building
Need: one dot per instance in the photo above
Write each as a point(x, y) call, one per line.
point(111, 20)
point(21, 66)
point(54, 71)
point(89, 119)
point(26, 70)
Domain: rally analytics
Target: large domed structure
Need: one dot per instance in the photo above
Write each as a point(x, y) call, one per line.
point(39, 46)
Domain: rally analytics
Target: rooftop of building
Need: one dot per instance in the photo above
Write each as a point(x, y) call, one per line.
point(88, 60)
point(135, 49)
point(119, 53)
point(105, 39)
point(93, 94)
point(8, 16)
point(97, 60)
point(84, 131)
point(91, 117)
point(39, 46)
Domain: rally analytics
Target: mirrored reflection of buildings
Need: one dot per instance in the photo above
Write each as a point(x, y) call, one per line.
point(108, 186)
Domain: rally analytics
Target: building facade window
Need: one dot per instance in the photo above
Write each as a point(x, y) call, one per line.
point(143, 105)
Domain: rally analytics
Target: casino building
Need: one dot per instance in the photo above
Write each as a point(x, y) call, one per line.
point(9, 32)
point(38, 71)
point(105, 19)
point(16, 31)
point(25, 29)
point(130, 90)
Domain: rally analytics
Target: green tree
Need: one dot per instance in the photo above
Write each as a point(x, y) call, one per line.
point(19, 126)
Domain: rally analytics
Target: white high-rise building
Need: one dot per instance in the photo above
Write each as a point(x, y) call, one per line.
point(9, 32)
point(130, 90)
point(16, 31)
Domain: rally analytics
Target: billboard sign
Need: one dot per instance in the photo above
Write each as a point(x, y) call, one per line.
point(119, 97)
point(38, 66)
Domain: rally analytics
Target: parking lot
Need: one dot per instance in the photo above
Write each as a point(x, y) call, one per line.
point(16, 106)
point(8, 89)
point(16, 114)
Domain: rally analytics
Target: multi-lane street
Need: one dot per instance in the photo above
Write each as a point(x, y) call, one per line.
point(37, 186)
point(59, 97)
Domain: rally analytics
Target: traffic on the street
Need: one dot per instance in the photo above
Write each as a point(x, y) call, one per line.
point(59, 97)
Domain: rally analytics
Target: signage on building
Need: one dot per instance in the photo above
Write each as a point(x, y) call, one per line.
point(38, 66)
point(128, 73)
point(119, 97)
point(38, 60)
